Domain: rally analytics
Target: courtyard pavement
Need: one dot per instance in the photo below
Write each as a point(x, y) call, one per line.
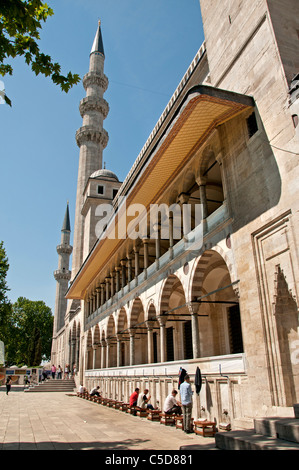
point(62, 421)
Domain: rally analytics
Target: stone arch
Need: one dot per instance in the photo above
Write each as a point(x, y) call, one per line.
point(220, 328)
point(89, 350)
point(151, 311)
point(169, 285)
point(122, 320)
point(96, 335)
point(138, 328)
point(199, 270)
point(136, 310)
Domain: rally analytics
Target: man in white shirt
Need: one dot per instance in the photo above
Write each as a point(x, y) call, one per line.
point(143, 400)
point(171, 405)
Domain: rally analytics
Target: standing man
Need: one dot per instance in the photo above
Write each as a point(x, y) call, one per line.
point(186, 400)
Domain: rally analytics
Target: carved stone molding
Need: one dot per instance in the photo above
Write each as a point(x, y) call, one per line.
point(89, 133)
point(60, 274)
point(93, 103)
point(95, 78)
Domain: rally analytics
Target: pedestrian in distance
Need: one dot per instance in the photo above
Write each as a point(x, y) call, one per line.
point(59, 372)
point(53, 371)
point(8, 384)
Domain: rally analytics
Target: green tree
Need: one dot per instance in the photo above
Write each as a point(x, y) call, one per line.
point(31, 332)
point(5, 305)
point(20, 24)
point(34, 354)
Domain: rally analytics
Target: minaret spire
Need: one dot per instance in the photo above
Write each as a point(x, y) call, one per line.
point(98, 41)
point(62, 274)
point(91, 137)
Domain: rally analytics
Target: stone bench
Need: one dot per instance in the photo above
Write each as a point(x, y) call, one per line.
point(153, 415)
point(205, 428)
point(167, 419)
point(179, 423)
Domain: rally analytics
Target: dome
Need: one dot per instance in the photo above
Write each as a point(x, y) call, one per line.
point(103, 172)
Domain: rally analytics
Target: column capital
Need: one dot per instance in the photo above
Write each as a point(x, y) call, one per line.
point(132, 331)
point(193, 307)
point(201, 180)
point(184, 198)
point(149, 324)
point(162, 319)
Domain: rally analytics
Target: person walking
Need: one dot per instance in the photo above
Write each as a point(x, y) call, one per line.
point(186, 400)
point(8, 384)
point(53, 371)
point(59, 372)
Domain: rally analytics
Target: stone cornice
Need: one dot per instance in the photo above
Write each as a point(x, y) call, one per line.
point(89, 133)
point(93, 103)
point(95, 78)
point(64, 249)
point(60, 274)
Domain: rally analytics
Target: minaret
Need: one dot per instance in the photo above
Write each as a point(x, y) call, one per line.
point(91, 137)
point(62, 274)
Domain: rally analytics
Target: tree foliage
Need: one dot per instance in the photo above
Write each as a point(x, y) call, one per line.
point(31, 329)
point(20, 24)
point(5, 305)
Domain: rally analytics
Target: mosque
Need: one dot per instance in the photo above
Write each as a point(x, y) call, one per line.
point(213, 282)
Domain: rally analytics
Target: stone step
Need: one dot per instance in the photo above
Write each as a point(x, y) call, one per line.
point(53, 386)
point(250, 440)
point(281, 428)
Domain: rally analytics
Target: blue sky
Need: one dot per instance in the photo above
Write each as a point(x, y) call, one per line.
point(148, 45)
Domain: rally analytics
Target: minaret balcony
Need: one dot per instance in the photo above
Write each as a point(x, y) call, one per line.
point(89, 133)
point(93, 103)
point(95, 78)
point(64, 249)
point(62, 274)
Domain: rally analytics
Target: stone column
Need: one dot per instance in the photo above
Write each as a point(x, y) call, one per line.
point(123, 273)
point(103, 353)
point(202, 181)
point(193, 309)
point(107, 281)
point(98, 298)
point(184, 199)
point(118, 351)
point(145, 247)
point(107, 353)
point(129, 258)
point(94, 351)
point(132, 346)
point(117, 270)
point(157, 243)
point(102, 294)
point(219, 159)
point(136, 261)
point(150, 351)
point(162, 322)
point(112, 283)
point(171, 234)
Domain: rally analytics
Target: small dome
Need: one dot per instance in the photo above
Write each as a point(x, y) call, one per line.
point(103, 172)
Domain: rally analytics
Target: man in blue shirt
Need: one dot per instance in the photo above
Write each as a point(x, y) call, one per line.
point(186, 400)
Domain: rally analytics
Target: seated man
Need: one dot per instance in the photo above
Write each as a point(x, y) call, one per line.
point(134, 397)
point(95, 391)
point(171, 405)
point(81, 389)
point(143, 400)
